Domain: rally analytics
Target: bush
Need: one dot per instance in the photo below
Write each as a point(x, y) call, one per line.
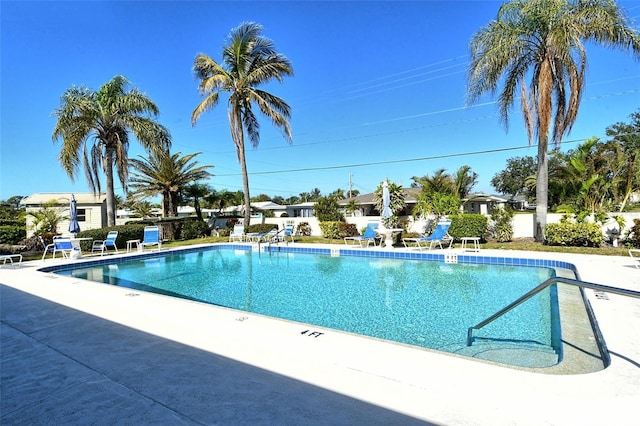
point(347, 230)
point(331, 229)
point(501, 228)
point(260, 228)
point(10, 234)
point(125, 233)
point(194, 229)
point(573, 234)
point(304, 229)
point(633, 236)
point(468, 225)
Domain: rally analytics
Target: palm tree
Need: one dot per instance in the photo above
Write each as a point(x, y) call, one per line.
point(441, 182)
point(167, 175)
point(627, 137)
point(249, 60)
point(464, 180)
point(542, 40)
point(195, 192)
point(103, 120)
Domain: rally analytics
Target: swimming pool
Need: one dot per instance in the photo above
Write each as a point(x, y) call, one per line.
point(399, 297)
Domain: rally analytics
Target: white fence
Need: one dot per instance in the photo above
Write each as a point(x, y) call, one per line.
point(524, 224)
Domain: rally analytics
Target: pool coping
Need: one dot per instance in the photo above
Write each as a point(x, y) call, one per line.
point(366, 369)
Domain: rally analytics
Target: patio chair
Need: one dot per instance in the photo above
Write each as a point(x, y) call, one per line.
point(45, 246)
point(438, 236)
point(369, 236)
point(103, 245)
point(151, 237)
point(237, 234)
point(286, 233)
point(635, 255)
point(265, 236)
point(62, 245)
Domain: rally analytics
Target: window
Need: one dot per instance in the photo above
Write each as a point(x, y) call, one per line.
point(82, 215)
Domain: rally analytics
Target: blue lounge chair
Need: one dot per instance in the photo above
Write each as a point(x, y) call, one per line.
point(62, 245)
point(369, 236)
point(45, 246)
point(237, 234)
point(439, 235)
point(103, 245)
point(151, 237)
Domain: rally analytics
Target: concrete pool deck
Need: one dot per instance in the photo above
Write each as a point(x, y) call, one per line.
point(77, 352)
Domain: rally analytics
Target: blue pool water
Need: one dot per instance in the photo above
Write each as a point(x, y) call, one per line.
point(421, 303)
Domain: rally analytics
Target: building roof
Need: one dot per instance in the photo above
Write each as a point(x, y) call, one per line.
point(40, 198)
point(410, 196)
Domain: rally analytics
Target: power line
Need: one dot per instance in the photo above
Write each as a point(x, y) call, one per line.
point(408, 160)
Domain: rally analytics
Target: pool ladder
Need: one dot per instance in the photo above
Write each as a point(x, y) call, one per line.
point(538, 289)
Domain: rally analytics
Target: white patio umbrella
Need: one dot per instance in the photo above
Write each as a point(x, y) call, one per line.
point(386, 201)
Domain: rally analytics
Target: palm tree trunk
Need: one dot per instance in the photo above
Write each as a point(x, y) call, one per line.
point(542, 188)
point(237, 133)
point(111, 198)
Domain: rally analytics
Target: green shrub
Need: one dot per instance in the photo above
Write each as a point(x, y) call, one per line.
point(260, 228)
point(13, 222)
point(347, 229)
point(331, 229)
point(125, 233)
point(468, 225)
point(304, 229)
point(580, 234)
point(633, 235)
point(11, 234)
point(500, 227)
point(194, 229)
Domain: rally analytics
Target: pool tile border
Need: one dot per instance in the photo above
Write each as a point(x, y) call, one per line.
point(439, 256)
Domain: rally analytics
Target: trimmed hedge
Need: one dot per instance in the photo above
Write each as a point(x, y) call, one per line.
point(330, 229)
point(260, 228)
point(194, 229)
point(10, 234)
point(573, 234)
point(468, 225)
point(125, 233)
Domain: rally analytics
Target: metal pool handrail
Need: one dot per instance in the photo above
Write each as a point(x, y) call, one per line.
point(539, 288)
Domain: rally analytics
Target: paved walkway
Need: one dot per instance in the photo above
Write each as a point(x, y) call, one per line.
point(75, 352)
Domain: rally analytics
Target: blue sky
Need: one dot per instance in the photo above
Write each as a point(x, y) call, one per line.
point(378, 91)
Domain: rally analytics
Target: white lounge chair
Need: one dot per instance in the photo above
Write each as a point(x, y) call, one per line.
point(635, 255)
point(438, 236)
point(237, 234)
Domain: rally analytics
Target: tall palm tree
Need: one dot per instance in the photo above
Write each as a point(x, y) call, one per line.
point(627, 137)
point(249, 60)
point(166, 175)
point(103, 120)
point(542, 40)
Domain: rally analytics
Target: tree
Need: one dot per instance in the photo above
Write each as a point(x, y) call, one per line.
point(249, 60)
point(511, 180)
point(166, 175)
point(542, 40)
point(627, 137)
point(196, 191)
point(440, 182)
point(327, 210)
point(463, 181)
point(103, 119)
point(48, 217)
